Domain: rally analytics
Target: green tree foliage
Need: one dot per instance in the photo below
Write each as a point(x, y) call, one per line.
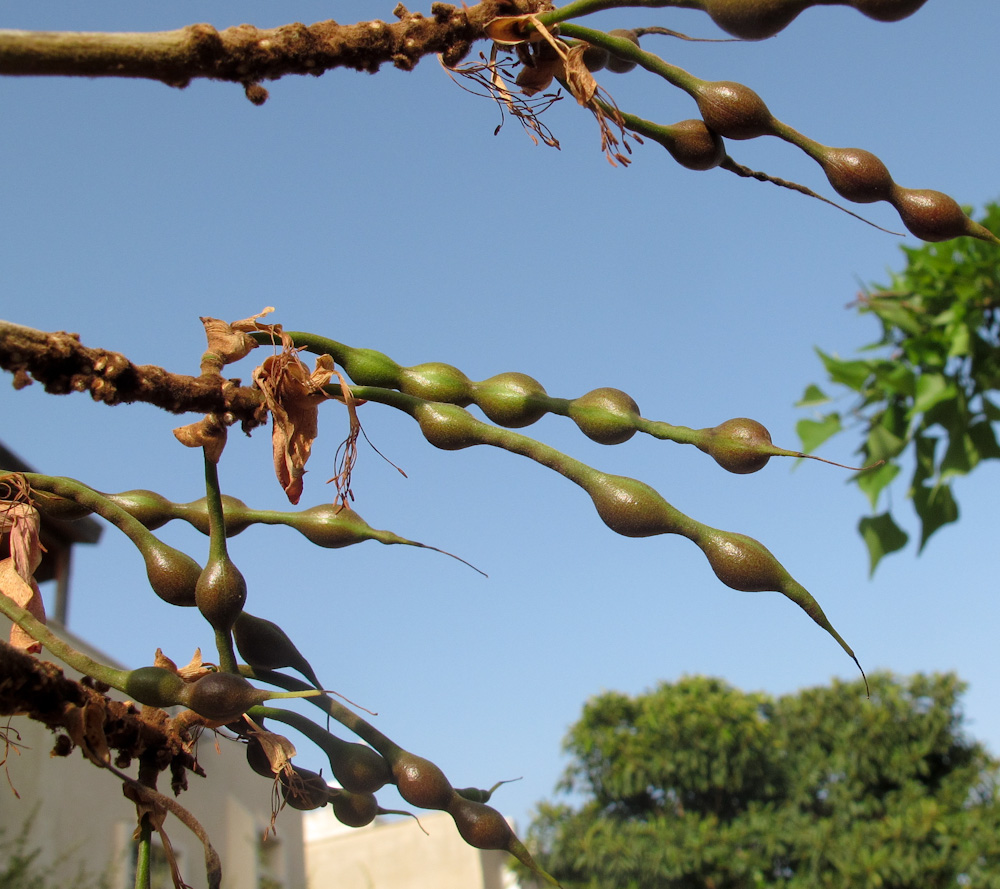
point(697, 784)
point(922, 390)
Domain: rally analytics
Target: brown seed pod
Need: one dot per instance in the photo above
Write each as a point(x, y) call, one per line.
point(736, 445)
point(857, 175)
point(357, 768)
point(512, 399)
point(304, 790)
point(257, 758)
point(930, 215)
point(480, 825)
point(617, 64)
point(353, 809)
point(694, 146)
point(265, 646)
point(220, 593)
point(595, 58)
point(733, 110)
point(420, 782)
point(605, 415)
point(753, 19)
point(887, 10)
point(222, 697)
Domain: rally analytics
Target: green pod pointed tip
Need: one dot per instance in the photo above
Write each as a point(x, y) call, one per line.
point(265, 646)
point(740, 445)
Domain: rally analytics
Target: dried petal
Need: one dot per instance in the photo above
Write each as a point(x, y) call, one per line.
point(225, 345)
point(22, 522)
point(208, 433)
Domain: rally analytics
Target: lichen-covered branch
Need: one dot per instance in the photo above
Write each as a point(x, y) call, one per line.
point(248, 55)
point(62, 364)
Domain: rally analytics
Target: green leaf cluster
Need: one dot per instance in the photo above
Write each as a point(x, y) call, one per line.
point(925, 390)
point(698, 784)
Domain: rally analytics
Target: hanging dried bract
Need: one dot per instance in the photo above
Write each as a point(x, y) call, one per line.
point(20, 522)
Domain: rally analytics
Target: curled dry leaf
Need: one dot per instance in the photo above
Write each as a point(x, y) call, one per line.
point(191, 672)
point(209, 433)
point(292, 395)
point(21, 522)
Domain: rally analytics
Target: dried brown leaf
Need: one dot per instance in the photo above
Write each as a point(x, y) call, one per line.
point(208, 433)
point(293, 395)
point(26, 594)
point(225, 345)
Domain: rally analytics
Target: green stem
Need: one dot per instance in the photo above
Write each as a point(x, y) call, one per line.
point(143, 854)
point(587, 7)
point(61, 649)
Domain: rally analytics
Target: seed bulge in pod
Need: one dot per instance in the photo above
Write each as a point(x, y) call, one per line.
point(887, 10)
point(735, 445)
point(367, 367)
point(733, 110)
point(605, 415)
point(150, 508)
point(357, 768)
point(742, 563)
point(694, 146)
point(234, 511)
point(155, 686)
point(512, 399)
point(481, 826)
point(753, 19)
point(595, 58)
point(857, 175)
point(353, 809)
point(222, 697)
point(617, 64)
point(632, 508)
point(420, 782)
point(221, 593)
point(446, 426)
point(930, 215)
point(173, 575)
point(304, 790)
point(435, 381)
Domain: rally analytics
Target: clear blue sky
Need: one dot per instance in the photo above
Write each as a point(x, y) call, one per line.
point(382, 211)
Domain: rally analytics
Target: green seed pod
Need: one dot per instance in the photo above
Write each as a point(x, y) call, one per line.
point(367, 367)
point(512, 399)
point(617, 64)
point(741, 562)
point(222, 697)
point(154, 686)
point(221, 593)
point(357, 768)
point(265, 646)
point(733, 110)
point(753, 19)
point(150, 508)
point(446, 426)
point(436, 382)
point(857, 175)
point(55, 507)
point(595, 58)
point(632, 508)
point(353, 809)
point(739, 445)
point(234, 511)
point(331, 527)
point(931, 215)
point(694, 146)
point(605, 415)
point(304, 790)
point(420, 782)
point(173, 575)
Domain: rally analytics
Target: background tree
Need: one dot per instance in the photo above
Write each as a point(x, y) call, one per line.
point(922, 389)
point(697, 784)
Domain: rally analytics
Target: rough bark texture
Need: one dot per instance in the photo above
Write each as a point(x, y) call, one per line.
point(248, 55)
point(62, 364)
point(81, 716)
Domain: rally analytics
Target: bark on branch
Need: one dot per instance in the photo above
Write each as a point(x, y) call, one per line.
point(62, 364)
point(248, 55)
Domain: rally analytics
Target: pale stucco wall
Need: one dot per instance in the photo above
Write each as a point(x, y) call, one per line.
point(398, 855)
